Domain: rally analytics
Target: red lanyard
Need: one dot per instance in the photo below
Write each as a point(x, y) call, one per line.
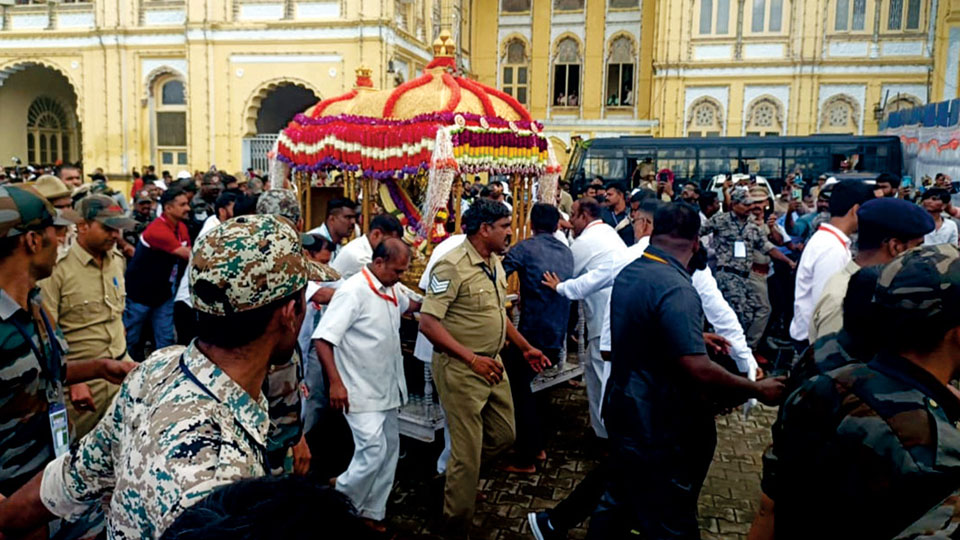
point(598, 222)
point(373, 288)
point(835, 235)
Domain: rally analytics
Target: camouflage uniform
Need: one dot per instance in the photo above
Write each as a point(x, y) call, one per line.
point(280, 202)
point(941, 522)
point(866, 449)
point(180, 426)
point(733, 272)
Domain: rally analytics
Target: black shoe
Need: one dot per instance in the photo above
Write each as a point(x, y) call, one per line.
point(541, 527)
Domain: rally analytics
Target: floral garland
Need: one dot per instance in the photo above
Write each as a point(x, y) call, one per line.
point(322, 106)
point(403, 203)
point(385, 148)
point(402, 89)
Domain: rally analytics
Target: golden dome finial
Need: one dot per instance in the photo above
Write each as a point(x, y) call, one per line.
point(444, 45)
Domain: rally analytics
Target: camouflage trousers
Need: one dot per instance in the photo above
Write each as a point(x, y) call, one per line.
point(742, 297)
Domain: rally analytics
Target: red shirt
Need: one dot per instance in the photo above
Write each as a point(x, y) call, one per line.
point(160, 234)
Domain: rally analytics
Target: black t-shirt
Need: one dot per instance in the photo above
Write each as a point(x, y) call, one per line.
point(655, 317)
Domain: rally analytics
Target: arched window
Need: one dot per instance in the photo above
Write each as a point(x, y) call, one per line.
point(714, 17)
point(840, 114)
point(48, 132)
point(904, 15)
point(515, 6)
point(515, 70)
point(764, 117)
point(566, 74)
point(170, 122)
point(850, 15)
point(706, 118)
point(621, 66)
point(900, 103)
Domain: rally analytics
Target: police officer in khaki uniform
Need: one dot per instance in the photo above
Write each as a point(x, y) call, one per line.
point(85, 295)
point(465, 318)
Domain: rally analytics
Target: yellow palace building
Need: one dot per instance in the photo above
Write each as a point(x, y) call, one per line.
point(675, 68)
point(182, 84)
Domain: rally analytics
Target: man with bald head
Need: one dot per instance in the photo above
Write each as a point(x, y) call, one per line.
point(358, 342)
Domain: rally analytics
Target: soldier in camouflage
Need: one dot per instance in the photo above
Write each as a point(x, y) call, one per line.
point(736, 237)
point(288, 448)
point(33, 370)
point(187, 420)
point(866, 449)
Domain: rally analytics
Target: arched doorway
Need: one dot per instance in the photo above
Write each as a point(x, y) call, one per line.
point(272, 107)
point(281, 105)
point(39, 107)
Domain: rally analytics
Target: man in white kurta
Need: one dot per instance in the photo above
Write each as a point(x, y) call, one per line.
point(597, 246)
point(358, 341)
point(359, 251)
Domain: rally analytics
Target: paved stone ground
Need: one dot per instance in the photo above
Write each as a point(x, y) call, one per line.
point(727, 503)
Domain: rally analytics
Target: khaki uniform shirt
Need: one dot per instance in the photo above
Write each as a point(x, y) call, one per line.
point(87, 302)
point(828, 313)
point(468, 295)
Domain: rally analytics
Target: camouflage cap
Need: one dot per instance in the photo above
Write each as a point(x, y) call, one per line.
point(22, 209)
point(923, 281)
point(280, 202)
point(248, 262)
point(740, 195)
point(105, 210)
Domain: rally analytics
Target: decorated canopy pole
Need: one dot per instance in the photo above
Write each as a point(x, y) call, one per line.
point(410, 144)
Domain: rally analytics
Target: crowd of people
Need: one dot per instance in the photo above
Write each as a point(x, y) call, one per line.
point(178, 359)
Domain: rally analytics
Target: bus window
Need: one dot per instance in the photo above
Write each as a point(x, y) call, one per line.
point(610, 168)
point(715, 160)
point(762, 161)
point(681, 160)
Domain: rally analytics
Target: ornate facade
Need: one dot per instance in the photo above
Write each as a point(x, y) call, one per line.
point(182, 84)
point(677, 68)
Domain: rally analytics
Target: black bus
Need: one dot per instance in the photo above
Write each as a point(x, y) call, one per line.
point(700, 159)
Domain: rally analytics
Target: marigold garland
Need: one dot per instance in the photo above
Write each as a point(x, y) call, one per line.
point(454, 92)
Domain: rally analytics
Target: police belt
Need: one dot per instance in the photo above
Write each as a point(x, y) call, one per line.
point(734, 271)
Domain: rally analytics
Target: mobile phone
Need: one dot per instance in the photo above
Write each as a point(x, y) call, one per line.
point(906, 181)
point(797, 194)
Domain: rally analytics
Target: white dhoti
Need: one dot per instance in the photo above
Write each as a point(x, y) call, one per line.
point(369, 477)
point(595, 373)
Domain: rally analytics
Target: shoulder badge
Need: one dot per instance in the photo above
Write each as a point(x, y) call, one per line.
point(438, 286)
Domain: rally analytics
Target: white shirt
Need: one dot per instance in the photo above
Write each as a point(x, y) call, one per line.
point(946, 234)
point(353, 256)
point(183, 291)
point(827, 252)
point(364, 329)
point(423, 350)
point(598, 247)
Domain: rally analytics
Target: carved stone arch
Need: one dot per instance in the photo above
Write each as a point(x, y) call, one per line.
point(634, 49)
point(555, 49)
point(901, 102)
point(19, 65)
point(505, 46)
point(698, 119)
point(252, 109)
point(765, 113)
point(155, 75)
point(840, 113)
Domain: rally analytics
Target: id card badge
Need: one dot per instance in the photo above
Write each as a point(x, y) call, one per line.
point(739, 249)
point(59, 430)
